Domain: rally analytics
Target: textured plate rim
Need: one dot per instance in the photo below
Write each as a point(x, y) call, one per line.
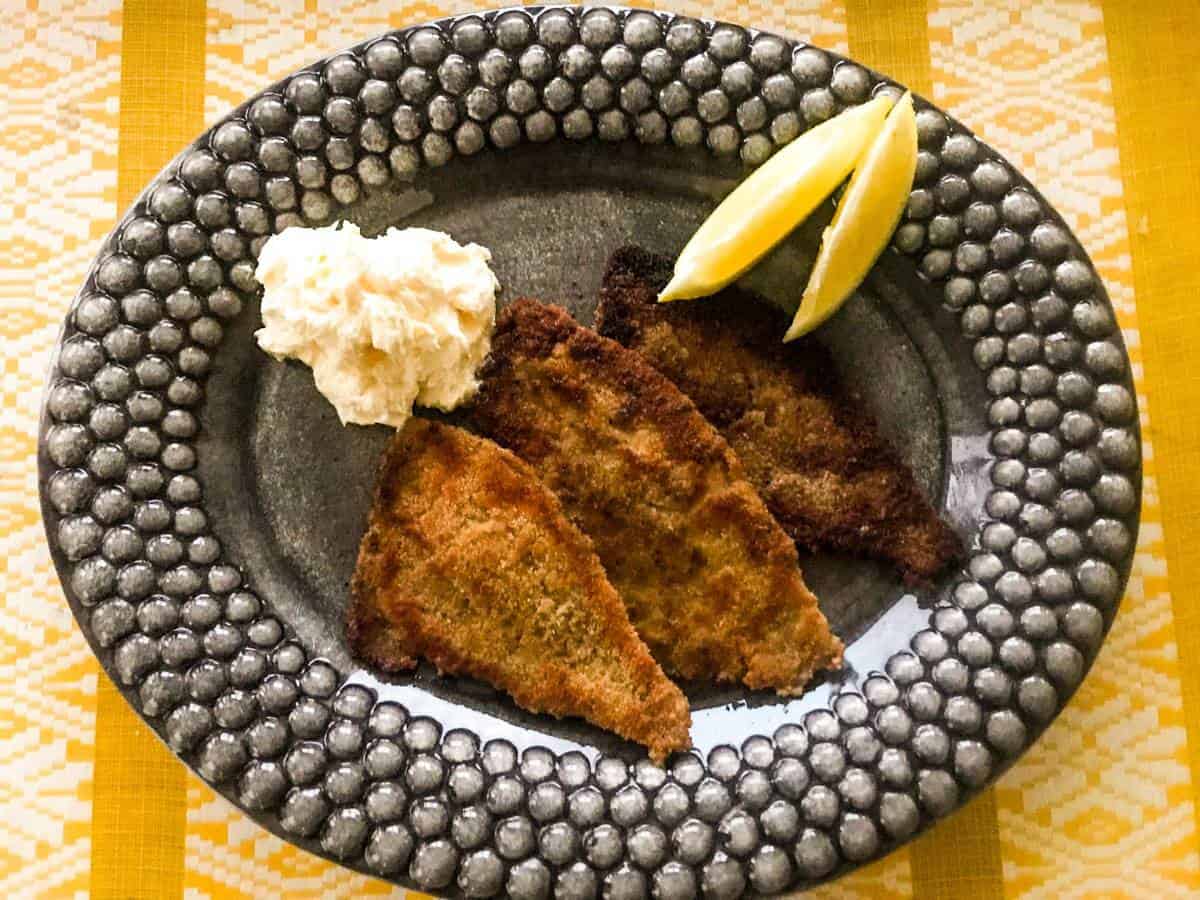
point(1051, 648)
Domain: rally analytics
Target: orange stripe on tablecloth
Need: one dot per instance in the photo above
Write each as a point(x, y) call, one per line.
point(1103, 799)
point(892, 37)
point(1155, 83)
point(139, 798)
point(960, 857)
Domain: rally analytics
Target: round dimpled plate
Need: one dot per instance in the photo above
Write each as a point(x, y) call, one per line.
point(234, 680)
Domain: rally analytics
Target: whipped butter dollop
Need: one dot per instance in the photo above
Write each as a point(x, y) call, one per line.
point(385, 323)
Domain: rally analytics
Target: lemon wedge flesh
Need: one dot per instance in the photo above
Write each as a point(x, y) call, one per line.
point(864, 220)
point(773, 200)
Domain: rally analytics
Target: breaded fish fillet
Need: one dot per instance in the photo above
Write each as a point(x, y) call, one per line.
point(710, 580)
point(811, 450)
point(469, 562)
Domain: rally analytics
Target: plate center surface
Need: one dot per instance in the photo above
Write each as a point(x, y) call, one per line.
point(291, 487)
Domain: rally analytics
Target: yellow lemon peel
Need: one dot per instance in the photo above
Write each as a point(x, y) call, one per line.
point(773, 200)
point(864, 220)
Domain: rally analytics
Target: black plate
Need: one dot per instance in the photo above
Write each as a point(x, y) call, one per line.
point(204, 506)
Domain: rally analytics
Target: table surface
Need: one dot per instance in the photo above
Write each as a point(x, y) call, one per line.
point(1092, 100)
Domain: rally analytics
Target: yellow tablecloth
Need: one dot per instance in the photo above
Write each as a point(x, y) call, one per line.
point(1095, 100)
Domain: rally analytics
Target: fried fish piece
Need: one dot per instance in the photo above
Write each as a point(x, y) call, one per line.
point(469, 562)
point(710, 580)
point(814, 454)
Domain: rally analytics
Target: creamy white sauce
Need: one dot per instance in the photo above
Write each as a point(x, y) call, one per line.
point(385, 323)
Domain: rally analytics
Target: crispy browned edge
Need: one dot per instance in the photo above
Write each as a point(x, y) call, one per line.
point(759, 327)
point(371, 639)
point(531, 329)
point(661, 724)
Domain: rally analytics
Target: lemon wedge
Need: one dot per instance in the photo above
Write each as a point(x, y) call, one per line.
point(773, 200)
point(864, 220)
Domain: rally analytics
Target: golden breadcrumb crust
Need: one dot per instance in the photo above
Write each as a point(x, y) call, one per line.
point(470, 562)
point(812, 452)
point(710, 580)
